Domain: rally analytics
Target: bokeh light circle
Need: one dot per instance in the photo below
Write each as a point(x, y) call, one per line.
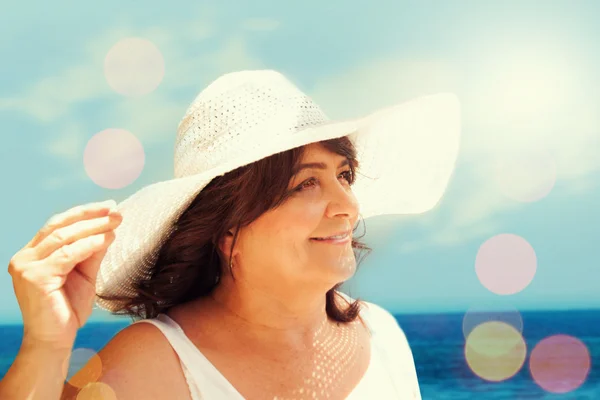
point(495, 351)
point(134, 67)
point(476, 316)
point(97, 391)
point(526, 176)
point(560, 363)
point(113, 158)
point(505, 264)
point(79, 358)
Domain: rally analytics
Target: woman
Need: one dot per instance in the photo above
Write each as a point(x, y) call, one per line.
point(232, 264)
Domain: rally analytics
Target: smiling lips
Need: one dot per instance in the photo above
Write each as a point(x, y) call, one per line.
point(340, 239)
point(336, 236)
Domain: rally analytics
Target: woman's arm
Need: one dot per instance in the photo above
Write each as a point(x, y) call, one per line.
point(38, 373)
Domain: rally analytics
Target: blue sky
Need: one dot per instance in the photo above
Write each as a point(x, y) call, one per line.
point(526, 74)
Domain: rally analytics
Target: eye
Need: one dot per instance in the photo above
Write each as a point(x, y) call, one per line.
point(349, 176)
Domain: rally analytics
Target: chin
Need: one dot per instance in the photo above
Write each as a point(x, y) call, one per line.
point(326, 276)
point(341, 272)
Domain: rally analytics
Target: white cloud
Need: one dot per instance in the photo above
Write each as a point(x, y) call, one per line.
point(10, 103)
point(475, 209)
point(69, 144)
point(457, 230)
point(60, 181)
point(52, 98)
point(261, 24)
point(234, 55)
point(381, 83)
point(152, 118)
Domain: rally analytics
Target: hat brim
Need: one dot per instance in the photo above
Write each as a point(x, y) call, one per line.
point(407, 154)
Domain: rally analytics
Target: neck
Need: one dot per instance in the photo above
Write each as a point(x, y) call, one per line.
point(292, 320)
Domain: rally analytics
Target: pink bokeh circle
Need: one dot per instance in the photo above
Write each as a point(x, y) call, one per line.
point(560, 363)
point(113, 158)
point(506, 264)
point(134, 67)
point(526, 177)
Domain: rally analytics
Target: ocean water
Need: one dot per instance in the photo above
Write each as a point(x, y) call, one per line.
point(437, 342)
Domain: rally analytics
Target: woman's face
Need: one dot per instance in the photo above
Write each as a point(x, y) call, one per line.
point(276, 250)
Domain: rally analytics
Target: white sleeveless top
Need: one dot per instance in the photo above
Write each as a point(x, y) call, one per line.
point(390, 375)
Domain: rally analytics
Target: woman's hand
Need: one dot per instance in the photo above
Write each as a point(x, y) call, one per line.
point(54, 275)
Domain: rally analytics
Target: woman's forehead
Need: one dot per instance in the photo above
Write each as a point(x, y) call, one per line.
point(318, 152)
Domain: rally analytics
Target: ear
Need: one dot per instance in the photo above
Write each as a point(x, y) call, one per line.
point(226, 242)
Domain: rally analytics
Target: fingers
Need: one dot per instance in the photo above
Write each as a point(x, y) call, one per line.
point(88, 268)
point(77, 213)
point(70, 234)
point(67, 257)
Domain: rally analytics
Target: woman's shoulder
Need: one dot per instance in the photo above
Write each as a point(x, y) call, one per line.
point(391, 341)
point(129, 367)
point(380, 321)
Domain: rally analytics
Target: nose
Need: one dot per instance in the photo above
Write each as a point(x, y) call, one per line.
point(342, 202)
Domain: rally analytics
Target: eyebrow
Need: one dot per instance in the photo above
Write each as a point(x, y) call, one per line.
point(317, 165)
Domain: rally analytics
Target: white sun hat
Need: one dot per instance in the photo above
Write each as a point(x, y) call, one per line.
point(406, 154)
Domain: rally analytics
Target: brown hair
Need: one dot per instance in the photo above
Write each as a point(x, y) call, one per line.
point(188, 265)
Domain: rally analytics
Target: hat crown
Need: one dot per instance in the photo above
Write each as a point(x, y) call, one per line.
point(236, 111)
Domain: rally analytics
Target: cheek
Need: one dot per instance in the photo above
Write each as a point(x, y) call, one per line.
point(303, 215)
point(310, 211)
